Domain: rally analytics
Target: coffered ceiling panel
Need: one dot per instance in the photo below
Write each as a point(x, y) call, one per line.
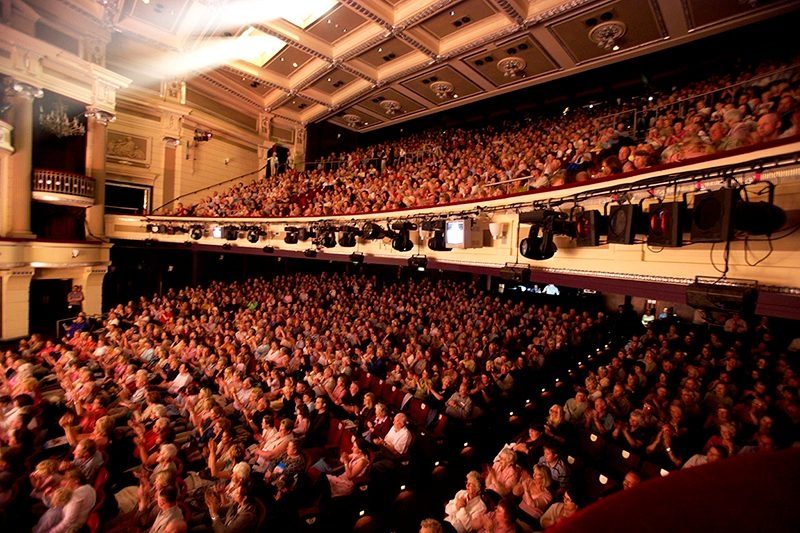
point(633, 22)
point(333, 82)
point(702, 12)
point(288, 61)
point(454, 85)
point(336, 24)
point(246, 82)
point(164, 14)
point(377, 104)
point(385, 53)
point(511, 62)
point(457, 17)
point(298, 104)
point(364, 119)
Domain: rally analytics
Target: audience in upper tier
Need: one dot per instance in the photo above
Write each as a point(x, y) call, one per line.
point(721, 112)
point(212, 407)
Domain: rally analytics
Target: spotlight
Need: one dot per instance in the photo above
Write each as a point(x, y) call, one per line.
point(516, 273)
point(231, 233)
point(292, 234)
point(306, 233)
point(418, 262)
point(253, 235)
point(401, 241)
point(348, 236)
point(437, 242)
point(372, 231)
point(665, 224)
point(311, 252)
point(157, 228)
point(357, 258)
point(268, 249)
point(216, 232)
point(758, 218)
point(713, 215)
point(328, 237)
point(201, 136)
point(588, 226)
point(622, 220)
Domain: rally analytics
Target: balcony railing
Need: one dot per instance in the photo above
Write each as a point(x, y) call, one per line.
point(60, 182)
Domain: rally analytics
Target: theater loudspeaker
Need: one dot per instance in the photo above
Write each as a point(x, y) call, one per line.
point(665, 224)
point(712, 216)
point(621, 223)
point(516, 274)
point(730, 298)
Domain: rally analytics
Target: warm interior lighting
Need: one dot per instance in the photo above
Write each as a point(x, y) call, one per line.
point(256, 47)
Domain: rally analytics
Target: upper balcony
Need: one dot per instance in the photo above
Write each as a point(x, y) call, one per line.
point(63, 188)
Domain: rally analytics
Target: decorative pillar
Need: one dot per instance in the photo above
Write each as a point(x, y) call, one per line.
point(264, 145)
point(171, 145)
point(17, 203)
point(96, 139)
point(300, 147)
point(6, 149)
point(91, 280)
point(15, 285)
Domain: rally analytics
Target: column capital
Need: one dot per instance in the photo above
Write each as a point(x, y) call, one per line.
point(98, 115)
point(22, 89)
point(171, 142)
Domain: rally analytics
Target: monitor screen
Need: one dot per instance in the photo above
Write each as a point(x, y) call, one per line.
point(456, 232)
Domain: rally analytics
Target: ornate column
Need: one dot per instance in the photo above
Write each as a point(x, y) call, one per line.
point(6, 149)
point(15, 286)
point(91, 279)
point(96, 124)
point(264, 145)
point(300, 147)
point(16, 203)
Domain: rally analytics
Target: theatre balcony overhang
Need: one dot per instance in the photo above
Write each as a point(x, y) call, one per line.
point(63, 188)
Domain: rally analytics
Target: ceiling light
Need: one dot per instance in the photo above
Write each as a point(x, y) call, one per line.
point(294, 64)
point(380, 49)
point(452, 13)
point(329, 79)
point(455, 96)
point(616, 47)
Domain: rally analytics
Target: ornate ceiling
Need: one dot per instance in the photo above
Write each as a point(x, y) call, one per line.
point(364, 64)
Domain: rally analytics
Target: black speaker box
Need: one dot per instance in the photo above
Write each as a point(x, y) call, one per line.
point(712, 216)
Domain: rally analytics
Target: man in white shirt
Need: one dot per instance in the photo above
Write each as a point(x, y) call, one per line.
point(181, 380)
point(80, 505)
point(398, 439)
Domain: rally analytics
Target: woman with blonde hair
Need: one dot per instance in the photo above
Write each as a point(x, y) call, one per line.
point(503, 475)
point(535, 493)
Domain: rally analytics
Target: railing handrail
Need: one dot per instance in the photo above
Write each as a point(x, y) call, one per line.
point(178, 198)
point(37, 171)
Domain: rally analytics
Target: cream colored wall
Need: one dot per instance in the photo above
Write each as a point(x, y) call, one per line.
point(205, 164)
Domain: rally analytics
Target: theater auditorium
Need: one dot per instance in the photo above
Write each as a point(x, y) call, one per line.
point(398, 266)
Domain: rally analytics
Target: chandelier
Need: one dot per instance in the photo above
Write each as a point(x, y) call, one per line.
point(442, 89)
point(512, 66)
point(58, 123)
point(351, 120)
point(606, 34)
point(390, 106)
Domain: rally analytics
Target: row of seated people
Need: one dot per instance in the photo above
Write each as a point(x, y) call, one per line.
point(178, 401)
point(664, 401)
point(751, 105)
